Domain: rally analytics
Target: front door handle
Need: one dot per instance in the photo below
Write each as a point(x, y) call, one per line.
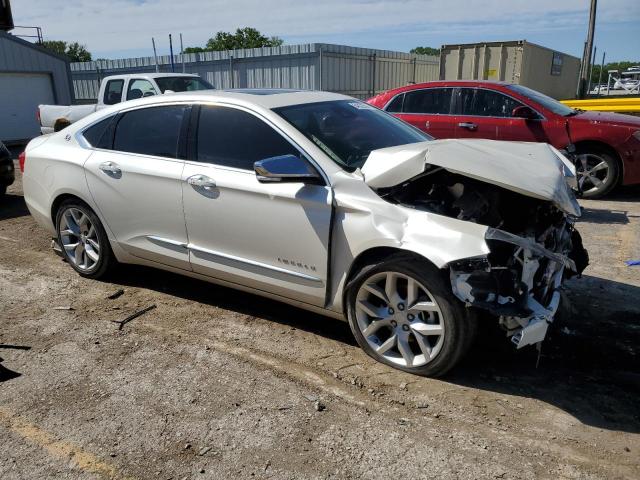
point(110, 169)
point(201, 181)
point(468, 125)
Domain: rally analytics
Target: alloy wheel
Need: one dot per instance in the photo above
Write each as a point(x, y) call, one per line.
point(79, 239)
point(593, 172)
point(400, 319)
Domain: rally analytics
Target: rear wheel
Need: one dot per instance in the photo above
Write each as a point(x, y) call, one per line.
point(402, 313)
point(83, 241)
point(598, 172)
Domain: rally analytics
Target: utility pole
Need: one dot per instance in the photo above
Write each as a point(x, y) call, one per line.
point(586, 58)
point(600, 75)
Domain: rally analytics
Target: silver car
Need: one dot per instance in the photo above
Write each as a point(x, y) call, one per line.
point(320, 201)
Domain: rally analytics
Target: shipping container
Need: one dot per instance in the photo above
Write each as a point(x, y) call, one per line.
point(358, 72)
point(548, 71)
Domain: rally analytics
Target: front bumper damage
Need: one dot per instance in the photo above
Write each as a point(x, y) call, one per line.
point(519, 281)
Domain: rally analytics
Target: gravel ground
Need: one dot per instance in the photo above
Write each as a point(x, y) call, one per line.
point(215, 383)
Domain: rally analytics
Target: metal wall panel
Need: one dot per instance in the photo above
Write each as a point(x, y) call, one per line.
point(336, 68)
point(18, 56)
point(518, 62)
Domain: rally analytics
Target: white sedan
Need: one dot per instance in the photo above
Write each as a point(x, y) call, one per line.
point(321, 201)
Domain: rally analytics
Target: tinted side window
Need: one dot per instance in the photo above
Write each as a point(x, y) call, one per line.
point(431, 100)
point(234, 138)
point(396, 104)
point(96, 134)
point(113, 92)
point(485, 103)
point(150, 131)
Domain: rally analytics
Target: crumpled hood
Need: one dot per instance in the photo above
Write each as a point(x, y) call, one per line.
point(534, 169)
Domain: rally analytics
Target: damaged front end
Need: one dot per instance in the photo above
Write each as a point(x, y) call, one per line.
point(533, 247)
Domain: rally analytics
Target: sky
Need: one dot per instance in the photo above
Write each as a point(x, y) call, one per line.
point(123, 28)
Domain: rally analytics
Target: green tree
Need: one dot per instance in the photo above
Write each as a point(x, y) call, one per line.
point(425, 51)
point(75, 51)
point(242, 38)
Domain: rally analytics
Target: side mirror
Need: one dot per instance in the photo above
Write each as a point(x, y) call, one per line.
point(525, 112)
point(285, 169)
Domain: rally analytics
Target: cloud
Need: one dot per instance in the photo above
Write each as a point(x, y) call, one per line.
point(119, 25)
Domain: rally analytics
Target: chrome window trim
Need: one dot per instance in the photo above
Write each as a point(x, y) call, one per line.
point(85, 144)
point(542, 117)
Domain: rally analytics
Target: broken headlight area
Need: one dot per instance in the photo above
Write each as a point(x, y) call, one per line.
point(533, 247)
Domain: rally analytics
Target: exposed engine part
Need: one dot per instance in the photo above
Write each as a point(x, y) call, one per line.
point(533, 245)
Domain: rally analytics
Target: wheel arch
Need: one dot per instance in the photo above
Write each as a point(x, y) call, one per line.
point(55, 205)
point(599, 144)
point(372, 255)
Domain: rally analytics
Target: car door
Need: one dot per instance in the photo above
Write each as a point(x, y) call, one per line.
point(485, 113)
point(135, 179)
point(427, 109)
point(268, 236)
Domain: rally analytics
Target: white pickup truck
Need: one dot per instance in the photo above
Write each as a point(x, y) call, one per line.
point(115, 89)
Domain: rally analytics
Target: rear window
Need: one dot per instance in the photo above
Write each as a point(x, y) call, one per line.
point(150, 131)
point(96, 134)
point(430, 100)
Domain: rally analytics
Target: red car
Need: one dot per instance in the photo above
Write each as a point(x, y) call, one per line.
point(607, 145)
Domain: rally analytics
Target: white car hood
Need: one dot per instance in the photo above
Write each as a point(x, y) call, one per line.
point(534, 169)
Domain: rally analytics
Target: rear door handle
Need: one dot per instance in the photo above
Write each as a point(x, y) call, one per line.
point(468, 125)
point(201, 181)
point(110, 169)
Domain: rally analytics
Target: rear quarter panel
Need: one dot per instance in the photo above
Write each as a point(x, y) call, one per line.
point(53, 167)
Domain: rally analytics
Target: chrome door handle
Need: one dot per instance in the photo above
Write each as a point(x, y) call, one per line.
point(468, 125)
point(201, 181)
point(110, 168)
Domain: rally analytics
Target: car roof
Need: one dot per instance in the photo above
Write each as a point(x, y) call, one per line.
point(449, 83)
point(150, 75)
point(265, 98)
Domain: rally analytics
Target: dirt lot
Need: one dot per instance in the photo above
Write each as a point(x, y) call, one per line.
point(215, 383)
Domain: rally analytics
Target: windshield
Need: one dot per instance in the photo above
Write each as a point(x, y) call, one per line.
point(349, 130)
point(547, 102)
point(183, 84)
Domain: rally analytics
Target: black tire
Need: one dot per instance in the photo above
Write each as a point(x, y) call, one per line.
point(460, 323)
point(609, 182)
point(3, 190)
point(106, 259)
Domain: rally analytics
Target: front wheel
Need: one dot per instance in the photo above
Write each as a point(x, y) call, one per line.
point(402, 313)
point(83, 241)
point(598, 172)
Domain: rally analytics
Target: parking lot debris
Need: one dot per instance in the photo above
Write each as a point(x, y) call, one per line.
point(116, 294)
point(319, 406)
point(204, 450)
point(65, 307)
point(632, 263)
point(121, 323)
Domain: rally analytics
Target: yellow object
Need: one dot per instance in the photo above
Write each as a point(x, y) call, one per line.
point(622, 105)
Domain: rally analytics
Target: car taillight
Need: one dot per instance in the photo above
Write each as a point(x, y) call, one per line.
point(38, 116)
point(21, 159)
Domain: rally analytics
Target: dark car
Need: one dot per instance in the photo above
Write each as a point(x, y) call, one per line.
point(7, 171)
point(607, 145)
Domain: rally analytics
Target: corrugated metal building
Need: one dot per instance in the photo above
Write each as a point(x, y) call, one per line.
point(29, 76)
point(359, 72)
point(550, 72)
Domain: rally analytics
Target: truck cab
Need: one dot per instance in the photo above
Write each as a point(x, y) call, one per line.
point(119, 88)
